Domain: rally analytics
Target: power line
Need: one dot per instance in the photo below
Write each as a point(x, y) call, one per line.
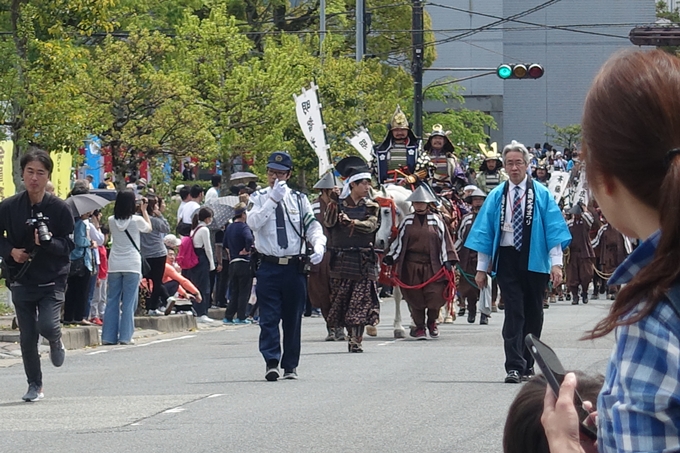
point(501, 20)
point(478, 29)
point(554, 27)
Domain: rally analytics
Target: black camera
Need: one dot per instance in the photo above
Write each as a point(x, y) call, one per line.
point(40, 224)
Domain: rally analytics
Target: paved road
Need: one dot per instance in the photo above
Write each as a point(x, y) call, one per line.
point(204, 392)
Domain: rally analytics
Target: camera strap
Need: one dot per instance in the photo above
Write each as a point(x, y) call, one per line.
point(24, 267)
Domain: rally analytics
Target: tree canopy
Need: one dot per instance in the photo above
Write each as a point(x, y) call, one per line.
point(212, 79)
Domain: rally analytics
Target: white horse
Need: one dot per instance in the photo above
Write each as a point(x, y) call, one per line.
point(393, 209)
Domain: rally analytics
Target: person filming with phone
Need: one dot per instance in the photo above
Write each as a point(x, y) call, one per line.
point(631, 127)
point(35, 247)
point(282, 222)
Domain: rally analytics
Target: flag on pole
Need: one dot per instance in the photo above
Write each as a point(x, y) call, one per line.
point(362, 142)
point(308, 112)
point(7, 188)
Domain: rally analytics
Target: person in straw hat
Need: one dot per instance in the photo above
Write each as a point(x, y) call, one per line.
point(319, 281)
point(467, 289)
point(581, 254)
point(423, 245)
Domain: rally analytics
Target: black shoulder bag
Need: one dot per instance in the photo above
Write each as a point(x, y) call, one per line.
point(146, 267)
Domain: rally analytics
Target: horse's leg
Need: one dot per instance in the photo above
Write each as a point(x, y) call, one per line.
point(399, 331)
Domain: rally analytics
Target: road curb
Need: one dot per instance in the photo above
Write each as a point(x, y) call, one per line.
point(81, 337)
point(166, 324)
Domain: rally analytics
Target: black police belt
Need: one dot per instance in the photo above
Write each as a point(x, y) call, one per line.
point(282, 260)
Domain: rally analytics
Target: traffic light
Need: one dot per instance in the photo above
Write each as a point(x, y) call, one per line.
point(520, 71)
point(655, 36)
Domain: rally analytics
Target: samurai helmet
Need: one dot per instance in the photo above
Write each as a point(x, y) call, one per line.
point(422, 195)
point(327, 181)
point(490, 154)
point(399, 120)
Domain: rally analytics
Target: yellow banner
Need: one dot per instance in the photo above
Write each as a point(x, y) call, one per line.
point(61, 174)
point(7, 188)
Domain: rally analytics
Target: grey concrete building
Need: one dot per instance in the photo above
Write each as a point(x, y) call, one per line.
point(580, 35)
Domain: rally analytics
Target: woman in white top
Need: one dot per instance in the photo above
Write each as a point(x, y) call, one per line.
point(125, 268)
point(200, 274)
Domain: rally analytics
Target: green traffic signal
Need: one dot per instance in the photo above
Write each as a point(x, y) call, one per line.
point(504, 71)
point(520, 71)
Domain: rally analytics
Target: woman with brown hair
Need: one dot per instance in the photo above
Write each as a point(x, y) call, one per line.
point(631, 148)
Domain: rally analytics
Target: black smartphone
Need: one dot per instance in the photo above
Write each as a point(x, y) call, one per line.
point(554, 373)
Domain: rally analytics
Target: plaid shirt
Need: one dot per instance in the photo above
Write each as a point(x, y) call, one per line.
point(639, 405)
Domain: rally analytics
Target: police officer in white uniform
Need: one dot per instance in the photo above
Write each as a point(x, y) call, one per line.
point(281, 220)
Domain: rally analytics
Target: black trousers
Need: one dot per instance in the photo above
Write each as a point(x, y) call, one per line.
point(77, 298)
point(240, 285)
point(222, 285)
point(38, 310)
point(156, 276)
point(522, 293)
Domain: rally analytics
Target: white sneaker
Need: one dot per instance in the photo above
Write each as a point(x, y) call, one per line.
point(205, 319)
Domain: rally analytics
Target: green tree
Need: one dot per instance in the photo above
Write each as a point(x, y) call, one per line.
point(664, 12)
point(141, 108)
point(567, 136)
point(40, 39)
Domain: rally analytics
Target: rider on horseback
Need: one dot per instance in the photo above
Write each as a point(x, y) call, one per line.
point(398, 153)
point(440, 161)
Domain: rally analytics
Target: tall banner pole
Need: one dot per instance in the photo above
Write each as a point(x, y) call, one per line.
point(308, 111)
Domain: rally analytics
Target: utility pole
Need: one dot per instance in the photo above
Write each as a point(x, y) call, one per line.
point(322, 26)
point(417, 67)
point(360, 11)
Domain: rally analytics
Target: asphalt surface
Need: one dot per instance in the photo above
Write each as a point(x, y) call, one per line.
point(205, 391)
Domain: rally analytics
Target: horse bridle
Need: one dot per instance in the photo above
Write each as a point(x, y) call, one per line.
point(384, 202)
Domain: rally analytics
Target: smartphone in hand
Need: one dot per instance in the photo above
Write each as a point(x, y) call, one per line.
point(554, 373)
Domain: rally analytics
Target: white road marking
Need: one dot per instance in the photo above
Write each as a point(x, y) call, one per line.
point(215, 395)
point(166, 340)
point(174, 410)
point(387, 342)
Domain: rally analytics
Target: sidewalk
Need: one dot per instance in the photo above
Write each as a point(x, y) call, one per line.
point(82, 337)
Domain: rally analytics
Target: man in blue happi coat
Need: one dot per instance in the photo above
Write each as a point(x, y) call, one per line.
point(519, 235)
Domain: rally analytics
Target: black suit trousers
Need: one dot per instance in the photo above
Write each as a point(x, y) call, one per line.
point(522, 292)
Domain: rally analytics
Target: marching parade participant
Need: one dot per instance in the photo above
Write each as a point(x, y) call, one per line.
point(422, 248)
point(467, 289)
point(491, 172)
point(318, 283)
point(542, 173)
point(352, 221)
point(611, 248)
point(581, 255)
point(399, 150)
point(519, 233)
point(440, 161)
point(282, 221)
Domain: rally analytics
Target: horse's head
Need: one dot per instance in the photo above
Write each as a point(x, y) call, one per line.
point(389, 222)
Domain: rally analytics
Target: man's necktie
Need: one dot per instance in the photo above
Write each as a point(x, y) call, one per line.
point(517, 216)
point(281, 236)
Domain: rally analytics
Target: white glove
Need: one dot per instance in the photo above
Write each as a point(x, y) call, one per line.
point(278, 191)
point(317, 256)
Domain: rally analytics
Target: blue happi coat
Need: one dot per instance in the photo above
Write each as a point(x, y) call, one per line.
point(548, 228)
